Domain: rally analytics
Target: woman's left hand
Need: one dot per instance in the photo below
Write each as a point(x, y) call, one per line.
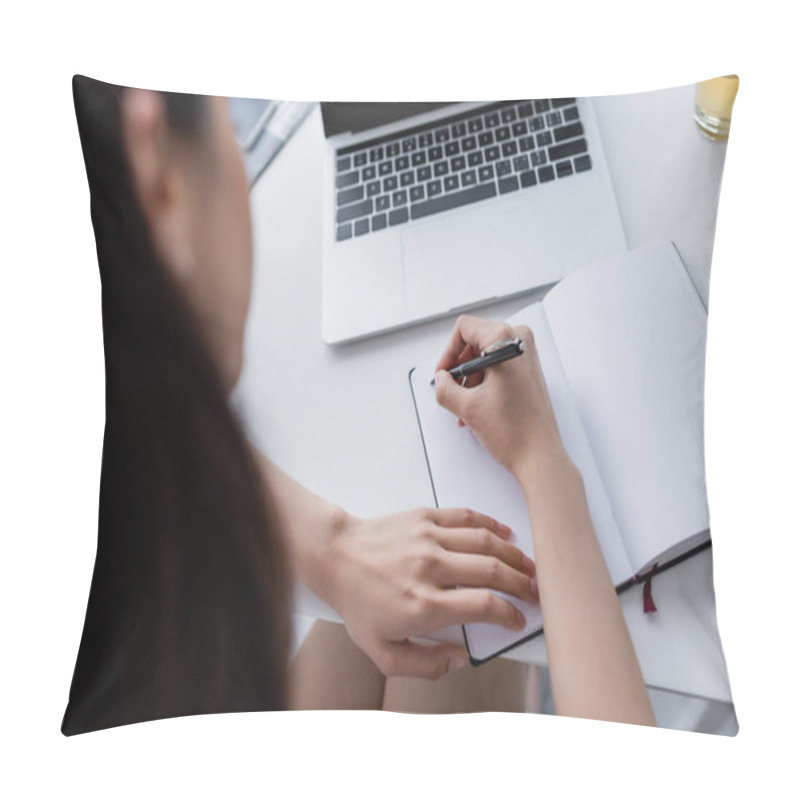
point(395, 577)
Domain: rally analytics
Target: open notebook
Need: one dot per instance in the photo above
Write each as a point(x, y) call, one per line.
point(622, 347)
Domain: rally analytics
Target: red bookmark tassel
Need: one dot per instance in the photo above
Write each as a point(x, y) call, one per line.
point(649, 605)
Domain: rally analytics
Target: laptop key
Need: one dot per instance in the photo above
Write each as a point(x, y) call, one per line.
point(538, 158)
point(418, 158)
point(344, 232)
point(469, 178)
point(527, 179)
point(457, 163)
point(373, 188)
point(568, 132)
point(564, 168)
point(503, 168)
point(509, 148)
point(521, 163)
point(451, 149)
point(468, 143)
point(435, 153)
point(546, 174)
point(425, 139)
point(379, 222)
point(519, 128)
point(399, 198)
point(475, 159)
point(541, 106)
point(382, 203)
point(486, 138)
point(398, 216)
point(409, 145)
point(346, 179)
point(434, 188)
point(486, 173)
point(354, 211)
point(350, 195)
point(417, 193)
point(392, 149)
point(570, 114)
point(525, 110)
point(492, 120)
point(492, 153)
point(573, 148)
point(423, 173)
point(508, 114)
point(445, 202)
point(558, 102)
point(440, 168)
point(544, 138)
point(451, 183)
point(458, 129)
point(407, 178)
point(359, 159)
point(384, 168)
point(553, 119)
point(368, 173)
point(376, 154)
point(361, 227)
point(390, 183)
point(526, 143)
point(502, 134)
point(475, 125)
point(583, 163)
point(401, 163)
point(537, 124)
point(442, 135)
point(343, 164)
point(509, 184)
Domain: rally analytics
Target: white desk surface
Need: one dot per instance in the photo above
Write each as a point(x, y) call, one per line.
point(341, 420)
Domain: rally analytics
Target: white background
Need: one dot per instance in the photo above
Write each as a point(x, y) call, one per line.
point(51, 404)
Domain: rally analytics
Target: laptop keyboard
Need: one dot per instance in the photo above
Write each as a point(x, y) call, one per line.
point(473, 156)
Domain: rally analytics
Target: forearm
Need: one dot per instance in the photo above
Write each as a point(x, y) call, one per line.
point(594, 669)
point(308, 523)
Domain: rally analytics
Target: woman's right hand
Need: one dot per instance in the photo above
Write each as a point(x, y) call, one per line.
point(508, 408)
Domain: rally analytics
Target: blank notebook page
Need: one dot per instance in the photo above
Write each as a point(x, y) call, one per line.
point(631, 335)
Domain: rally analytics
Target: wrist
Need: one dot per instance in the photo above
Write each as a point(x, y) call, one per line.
point(321, 560)
point(544, 467)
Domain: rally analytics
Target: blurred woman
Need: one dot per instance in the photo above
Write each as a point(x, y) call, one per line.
point(198, 534)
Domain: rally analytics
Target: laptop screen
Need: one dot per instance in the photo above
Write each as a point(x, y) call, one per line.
point(356, 117)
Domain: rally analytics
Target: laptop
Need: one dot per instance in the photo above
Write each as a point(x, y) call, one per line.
point(433, 209)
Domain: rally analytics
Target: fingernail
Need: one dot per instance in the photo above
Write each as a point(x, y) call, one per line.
point(535, 587)
point(456, 662)
point(528, 564)
point(520, 618)
point(503, 528)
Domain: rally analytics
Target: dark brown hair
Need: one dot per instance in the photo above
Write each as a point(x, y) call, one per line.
point(188, 608)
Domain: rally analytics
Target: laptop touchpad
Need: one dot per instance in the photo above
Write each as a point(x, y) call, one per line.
point(468, 257)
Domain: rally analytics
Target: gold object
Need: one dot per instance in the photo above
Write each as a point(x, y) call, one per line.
point(714, 104)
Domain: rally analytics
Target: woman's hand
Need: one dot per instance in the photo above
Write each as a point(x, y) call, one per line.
point(507, 407)
point(394, 577)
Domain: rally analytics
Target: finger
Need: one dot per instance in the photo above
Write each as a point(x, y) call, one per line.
point(423, 661)
point(472, 332)
point(465, 605)
point(468, 518)
point(526, 334)
point(487, 572)
point(481, 541)
point(451, 395)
